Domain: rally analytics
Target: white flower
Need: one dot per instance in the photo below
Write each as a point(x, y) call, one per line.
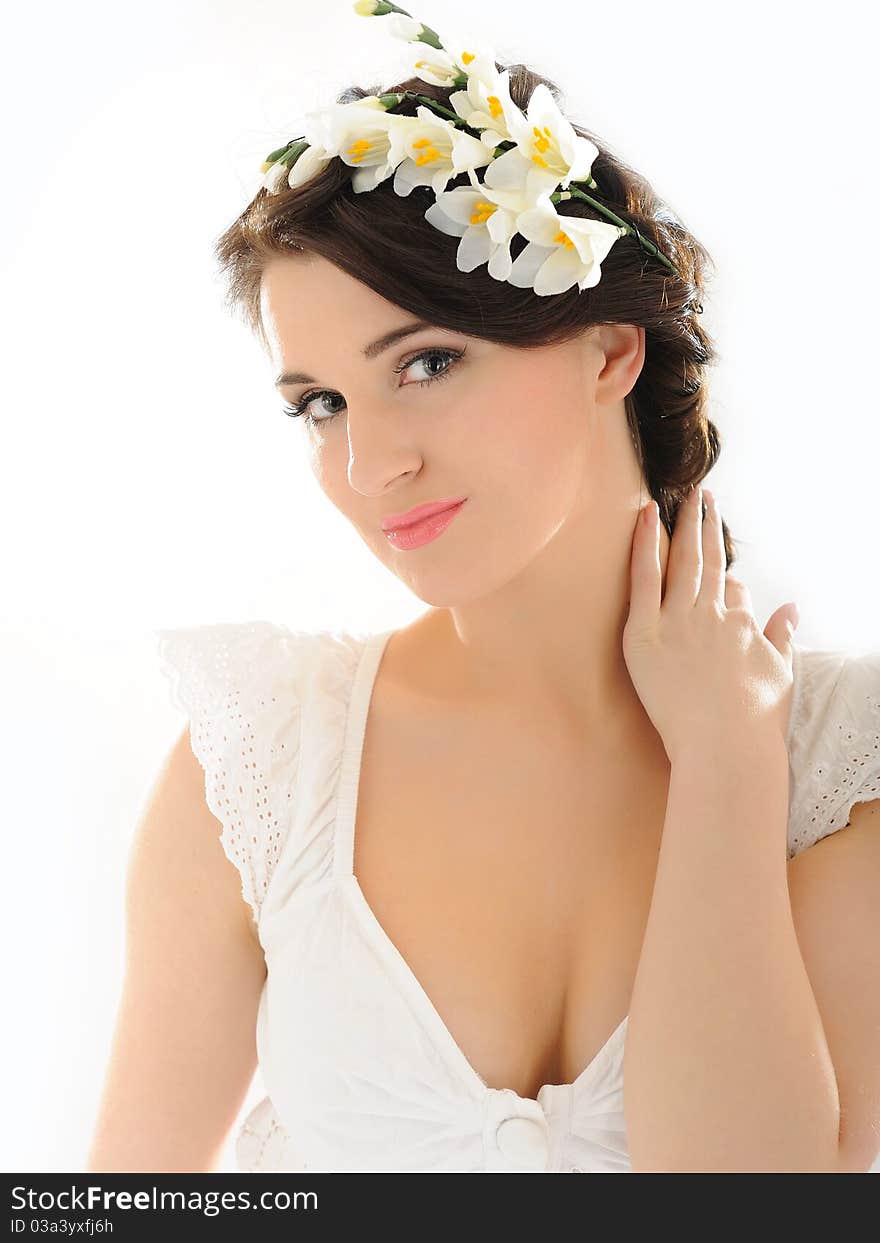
point(431, 150)
point(312, 161)
point(453, 60)
point(548, 140)
point(359, 133)
point(275, 178)
point(485, 105)
point(403, 27)
point(280, 174)
point(325, 126)
point(562, 250)
point(476, 64)
point(513, 173)
point(436, 66)
point(484, 219)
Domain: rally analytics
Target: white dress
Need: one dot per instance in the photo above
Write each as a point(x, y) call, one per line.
point(361, 1072)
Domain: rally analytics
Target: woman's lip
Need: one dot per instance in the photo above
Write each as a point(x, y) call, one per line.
point(415, 534)
point(395, 521)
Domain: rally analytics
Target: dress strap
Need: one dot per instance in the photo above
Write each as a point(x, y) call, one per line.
point(352, 751)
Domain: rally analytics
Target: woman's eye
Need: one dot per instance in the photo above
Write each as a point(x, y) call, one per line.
point(301, 410)
point(448, 359)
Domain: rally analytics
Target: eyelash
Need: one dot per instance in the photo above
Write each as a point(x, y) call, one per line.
point(298, 410)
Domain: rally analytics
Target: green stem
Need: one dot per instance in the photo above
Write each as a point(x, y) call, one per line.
point(615, 219)
point(426, 99)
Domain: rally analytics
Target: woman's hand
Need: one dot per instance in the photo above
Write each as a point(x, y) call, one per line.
point(701, 666)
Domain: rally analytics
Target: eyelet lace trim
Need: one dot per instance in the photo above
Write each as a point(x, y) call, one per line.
point(262, 1142)
point(229, 679)
point(842, 764)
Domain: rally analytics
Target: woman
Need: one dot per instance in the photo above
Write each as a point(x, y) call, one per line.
point(477, 858)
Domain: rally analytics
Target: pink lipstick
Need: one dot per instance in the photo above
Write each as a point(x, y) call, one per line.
point(424, 529)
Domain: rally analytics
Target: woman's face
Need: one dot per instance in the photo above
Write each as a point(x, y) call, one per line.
point(514, 431)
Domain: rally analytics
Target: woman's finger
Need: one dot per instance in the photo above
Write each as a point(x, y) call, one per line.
point(684, 567)
point(644, 575)
point(714, 559)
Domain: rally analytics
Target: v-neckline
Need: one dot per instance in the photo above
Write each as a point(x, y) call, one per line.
point(343, 866)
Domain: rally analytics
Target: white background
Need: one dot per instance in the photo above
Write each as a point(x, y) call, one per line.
point(150, 480)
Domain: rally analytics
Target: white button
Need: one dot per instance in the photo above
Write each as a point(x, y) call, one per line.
point(524, 1140)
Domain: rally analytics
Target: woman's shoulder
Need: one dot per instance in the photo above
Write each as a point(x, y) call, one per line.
point(833, 740)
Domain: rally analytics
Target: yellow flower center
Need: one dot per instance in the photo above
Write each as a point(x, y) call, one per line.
point(564, 240)
point(494, 105)
point(482, 211)
point(467, 57)
point(544, 141)
point(442, 71)
point(429, 154)
point(359, 149)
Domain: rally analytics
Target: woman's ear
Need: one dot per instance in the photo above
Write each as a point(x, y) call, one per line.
point(623, 346)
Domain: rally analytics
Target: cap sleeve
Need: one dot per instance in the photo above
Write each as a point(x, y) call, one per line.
point(236, 684)
point(835, 742)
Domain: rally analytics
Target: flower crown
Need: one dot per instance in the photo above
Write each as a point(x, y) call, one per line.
point(532, 162)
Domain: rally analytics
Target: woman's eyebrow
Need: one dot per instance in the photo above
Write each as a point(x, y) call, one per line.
point(369, 351)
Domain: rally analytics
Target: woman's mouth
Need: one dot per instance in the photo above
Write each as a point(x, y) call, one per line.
point(418, 533)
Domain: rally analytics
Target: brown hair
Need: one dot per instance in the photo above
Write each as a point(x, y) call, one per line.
point(391, 248)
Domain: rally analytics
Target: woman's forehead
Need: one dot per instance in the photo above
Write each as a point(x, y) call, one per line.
point(310, 294)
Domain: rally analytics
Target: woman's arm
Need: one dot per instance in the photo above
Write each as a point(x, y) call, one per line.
point(183, 1052)
point(726, 1065)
